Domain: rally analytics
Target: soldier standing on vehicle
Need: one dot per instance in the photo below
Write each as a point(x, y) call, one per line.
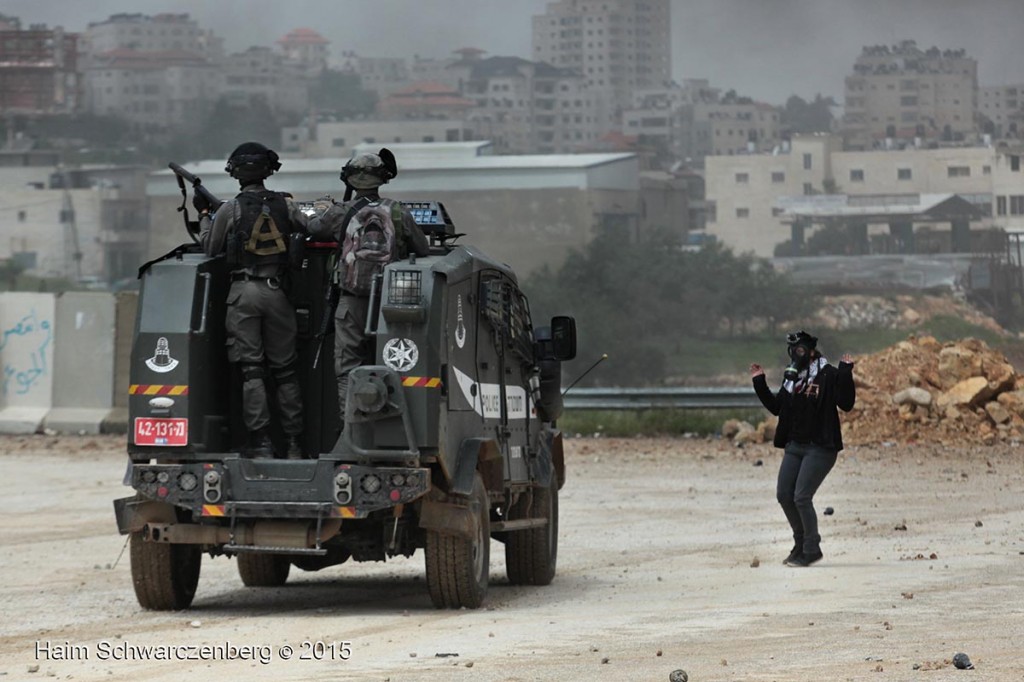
point(809, 431)
point(371, 231)
point(254, 231)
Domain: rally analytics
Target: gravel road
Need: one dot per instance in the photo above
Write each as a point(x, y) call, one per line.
point(670, 558)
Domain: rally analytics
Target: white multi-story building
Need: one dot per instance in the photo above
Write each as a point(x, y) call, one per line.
point(306, 49)
point(383, 75)
point(529, 107)
point(695, 120)
point(1001, 107)
point(144, 33)
point(262, 73)
point(903, 92)
point(336, 139)
point(748, 195)
point(618, 46)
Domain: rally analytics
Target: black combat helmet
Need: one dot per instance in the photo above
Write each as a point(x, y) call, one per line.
point(251, 161)
point(369, 171)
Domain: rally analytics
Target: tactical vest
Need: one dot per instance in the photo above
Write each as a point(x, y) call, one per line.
point(260, 236)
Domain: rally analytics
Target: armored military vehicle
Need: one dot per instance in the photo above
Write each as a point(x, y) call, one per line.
point(449, 439)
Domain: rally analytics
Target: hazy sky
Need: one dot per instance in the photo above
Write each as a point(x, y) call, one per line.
point(768, 49)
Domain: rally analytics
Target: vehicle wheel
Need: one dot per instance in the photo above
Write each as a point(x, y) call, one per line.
point(531, 554)
point(263, 570)
point(458, 569)
point(164, 575)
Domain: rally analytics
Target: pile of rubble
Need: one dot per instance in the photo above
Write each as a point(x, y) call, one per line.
point(924, 391)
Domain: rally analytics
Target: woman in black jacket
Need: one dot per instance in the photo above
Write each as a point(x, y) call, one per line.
point(809, 431)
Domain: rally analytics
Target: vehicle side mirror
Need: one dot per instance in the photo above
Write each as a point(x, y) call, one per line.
point(563, 337)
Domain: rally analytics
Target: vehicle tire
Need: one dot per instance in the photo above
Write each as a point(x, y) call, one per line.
point(458, 569)
point(532, 554)
point(165, 576)
point(263, 570)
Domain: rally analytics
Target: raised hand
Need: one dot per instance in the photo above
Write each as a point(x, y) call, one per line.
point(756, 370)
point(847, 358)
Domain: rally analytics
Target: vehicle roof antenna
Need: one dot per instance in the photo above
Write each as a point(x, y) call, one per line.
point(604, 356)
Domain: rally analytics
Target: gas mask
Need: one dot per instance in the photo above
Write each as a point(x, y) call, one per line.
point(799, 347)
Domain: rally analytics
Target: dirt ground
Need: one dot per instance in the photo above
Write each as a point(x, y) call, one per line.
point(670, 558)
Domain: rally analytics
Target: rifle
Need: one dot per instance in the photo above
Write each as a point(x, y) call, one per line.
point(192, 226)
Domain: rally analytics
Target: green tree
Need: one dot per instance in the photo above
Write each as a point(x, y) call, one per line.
point(801, 116)
point(342, 94)
point(641, 301)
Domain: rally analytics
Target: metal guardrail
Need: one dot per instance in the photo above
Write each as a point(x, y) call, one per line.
point(683, 398)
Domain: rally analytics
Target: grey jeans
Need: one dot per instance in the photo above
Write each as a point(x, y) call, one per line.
point(804, 467)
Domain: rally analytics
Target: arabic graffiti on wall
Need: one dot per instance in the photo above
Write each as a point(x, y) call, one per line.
point(23, 348)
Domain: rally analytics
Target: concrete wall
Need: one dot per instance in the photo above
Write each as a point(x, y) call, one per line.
point(26, 360)
point(83, 362)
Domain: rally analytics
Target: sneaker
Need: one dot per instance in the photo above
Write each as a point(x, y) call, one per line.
point(805, 560)
point(295, 448)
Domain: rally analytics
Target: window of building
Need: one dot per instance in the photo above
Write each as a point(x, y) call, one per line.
point(808, 188)
point(428, 138)
point(959, 171)
point(742, 212)
point(778, 176)
point(807, 162)
point(338, 142)
point(22, 215)
point(1017, 204)
point(856, 175)
point(1015, 163)
point(776, 212)
point(1000, 205)
point(986, 170)
point(742, 178)
point(904, 174)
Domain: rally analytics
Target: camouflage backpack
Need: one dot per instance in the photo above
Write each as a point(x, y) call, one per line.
point(369, 244)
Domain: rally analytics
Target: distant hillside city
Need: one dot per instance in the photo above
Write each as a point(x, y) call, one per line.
point(592, 127)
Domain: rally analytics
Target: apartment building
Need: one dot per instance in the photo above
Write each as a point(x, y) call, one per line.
point(336, 139)
point(749, 197)
point(383, 75)
point(618, 46)
point(306, 49)
point(38, 69)
point(164, 32)
point(266, 74)
point(1001, 110)
point(694, 120)
point(903, 92)
point(529, 107)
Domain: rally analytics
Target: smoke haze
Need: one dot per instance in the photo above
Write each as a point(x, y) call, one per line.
point(767, 49)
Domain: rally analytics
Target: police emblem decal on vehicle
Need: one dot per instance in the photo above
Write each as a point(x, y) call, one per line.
point(460, 328)
point(486, 398)
point(401, 355)
point(162, 361)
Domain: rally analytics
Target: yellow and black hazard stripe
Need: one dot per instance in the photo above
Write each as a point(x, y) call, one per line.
point(421, 382)
point(157, 389)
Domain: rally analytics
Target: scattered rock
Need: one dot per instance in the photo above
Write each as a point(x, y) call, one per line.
point(196, 624)
point(33, 668)
point(901, 526)
point(829, 511)
point(962, 662)
point(678, 676)
point(604, 660)
point(755, 563)
point(978, 524)
point(913, 396)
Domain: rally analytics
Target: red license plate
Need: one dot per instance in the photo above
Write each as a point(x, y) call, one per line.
point(150, 431)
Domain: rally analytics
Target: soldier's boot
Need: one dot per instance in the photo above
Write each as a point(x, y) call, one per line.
point(295, 448)
point(260, 446)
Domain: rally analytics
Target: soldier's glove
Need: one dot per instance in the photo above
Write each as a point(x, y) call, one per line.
point(201, 203)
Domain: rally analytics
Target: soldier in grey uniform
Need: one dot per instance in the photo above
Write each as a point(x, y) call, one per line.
point(363, 175)
point(254, 231)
